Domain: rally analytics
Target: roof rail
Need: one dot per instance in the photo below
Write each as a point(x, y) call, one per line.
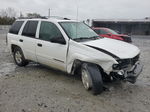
point(66, 18)
point(58, 17)
point(42, 17)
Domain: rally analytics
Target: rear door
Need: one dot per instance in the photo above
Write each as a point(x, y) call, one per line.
point(50, 53)
point(12, 36)
point(28, 39)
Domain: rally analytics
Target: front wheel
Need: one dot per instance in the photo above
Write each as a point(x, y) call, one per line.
point(91, 78)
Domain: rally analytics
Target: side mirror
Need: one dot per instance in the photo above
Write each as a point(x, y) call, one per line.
point(59, 40)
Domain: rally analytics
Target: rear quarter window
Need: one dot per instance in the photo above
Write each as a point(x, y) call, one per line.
point(16, 27)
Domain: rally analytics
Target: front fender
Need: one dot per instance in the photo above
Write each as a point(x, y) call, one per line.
point(87, 54)
point(106, 65)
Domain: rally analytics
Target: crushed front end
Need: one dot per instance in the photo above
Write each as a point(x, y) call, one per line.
point(127, 69)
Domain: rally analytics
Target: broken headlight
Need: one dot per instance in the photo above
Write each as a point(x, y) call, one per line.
point(125, 63)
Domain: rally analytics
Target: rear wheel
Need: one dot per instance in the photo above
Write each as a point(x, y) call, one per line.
point(19, 57)
point(91, 78)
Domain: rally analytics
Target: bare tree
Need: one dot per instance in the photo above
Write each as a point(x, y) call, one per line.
point(7, 16)
point(11, 12)
point(3, 13)
point(8, 12)
point(33, 15)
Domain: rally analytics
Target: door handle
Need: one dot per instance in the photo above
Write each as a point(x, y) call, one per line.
point(40, 45)
point(20, 40)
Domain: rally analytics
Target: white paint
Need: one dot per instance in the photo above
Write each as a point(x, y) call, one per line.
point(121, 49)
point(77, 50)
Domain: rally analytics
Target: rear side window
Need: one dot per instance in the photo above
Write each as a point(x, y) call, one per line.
point(16, 27)
point(30, 29)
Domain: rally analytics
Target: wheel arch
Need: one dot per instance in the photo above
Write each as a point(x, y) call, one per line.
point(76, 66)
point(13, 46)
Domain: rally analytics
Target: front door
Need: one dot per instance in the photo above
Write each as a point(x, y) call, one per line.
point(50, 53)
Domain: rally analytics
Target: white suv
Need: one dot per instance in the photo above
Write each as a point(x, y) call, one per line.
point(75, 48)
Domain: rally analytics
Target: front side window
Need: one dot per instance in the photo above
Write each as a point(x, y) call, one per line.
point(78, 30)
point(16, 27)
point(30, 29)
point(49, 31)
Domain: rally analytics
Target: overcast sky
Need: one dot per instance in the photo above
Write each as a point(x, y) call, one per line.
point(101, 9)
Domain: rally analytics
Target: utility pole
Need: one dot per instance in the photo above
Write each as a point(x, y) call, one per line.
point(49, 13)
point(21, 15)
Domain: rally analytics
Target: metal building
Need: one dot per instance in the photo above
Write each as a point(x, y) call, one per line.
point(132, 27)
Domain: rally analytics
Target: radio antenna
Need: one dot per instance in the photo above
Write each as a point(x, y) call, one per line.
point(49, 11)
point(77, 10)
point(77, 14)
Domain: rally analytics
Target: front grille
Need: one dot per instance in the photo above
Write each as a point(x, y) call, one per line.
point(134, 60)
point(125, 63)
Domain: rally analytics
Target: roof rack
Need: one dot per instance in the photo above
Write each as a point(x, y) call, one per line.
point(58, 17)
point(42, 17)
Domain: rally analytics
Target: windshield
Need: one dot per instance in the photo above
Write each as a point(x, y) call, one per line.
point(78, 30)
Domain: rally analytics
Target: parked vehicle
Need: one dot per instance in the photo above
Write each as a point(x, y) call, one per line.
point(75, 48)
point(109, 33)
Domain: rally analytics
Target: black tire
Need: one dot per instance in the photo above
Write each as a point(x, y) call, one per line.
point(23, 61)
point(96, 82)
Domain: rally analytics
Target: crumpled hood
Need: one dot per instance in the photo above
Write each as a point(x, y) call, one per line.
point(118, 48)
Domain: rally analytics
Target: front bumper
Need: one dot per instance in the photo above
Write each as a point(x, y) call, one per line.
point(135, 71)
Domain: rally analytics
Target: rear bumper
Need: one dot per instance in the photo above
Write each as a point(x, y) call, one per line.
point(132, 75)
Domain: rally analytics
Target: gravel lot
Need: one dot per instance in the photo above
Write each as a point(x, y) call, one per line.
point(35, 88)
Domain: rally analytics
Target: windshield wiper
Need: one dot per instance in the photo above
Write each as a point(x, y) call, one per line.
point(95, 37)
point(89, 38)
point(81, 38)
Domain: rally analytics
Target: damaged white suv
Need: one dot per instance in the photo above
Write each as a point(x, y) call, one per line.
point(75, 48)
